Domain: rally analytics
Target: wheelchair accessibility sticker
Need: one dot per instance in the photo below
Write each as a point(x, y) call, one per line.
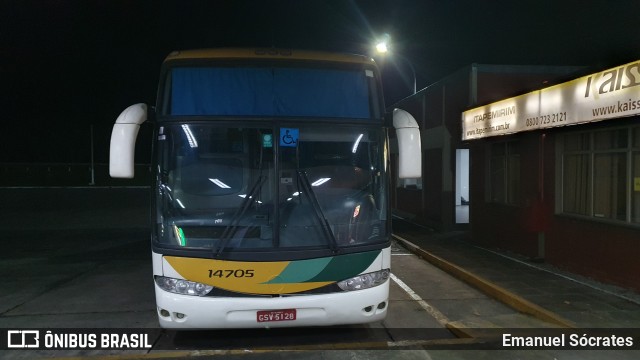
point(289, 137)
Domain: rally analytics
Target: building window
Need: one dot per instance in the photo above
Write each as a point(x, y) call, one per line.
point(600, 170)
point(576, 186)
point(504, 169)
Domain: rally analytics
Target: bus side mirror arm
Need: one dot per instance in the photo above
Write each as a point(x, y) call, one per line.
point(409, 147)
point(123, 141)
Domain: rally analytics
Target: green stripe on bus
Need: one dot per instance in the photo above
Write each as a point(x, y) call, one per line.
point(346, 266)
point(300, 271)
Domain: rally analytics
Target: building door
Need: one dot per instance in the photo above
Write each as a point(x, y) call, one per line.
point(462, 186)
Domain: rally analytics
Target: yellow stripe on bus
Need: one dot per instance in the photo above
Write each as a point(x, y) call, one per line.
point(239, 276)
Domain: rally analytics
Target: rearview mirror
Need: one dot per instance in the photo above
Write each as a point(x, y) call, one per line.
point(409, 146)
point(123, 141)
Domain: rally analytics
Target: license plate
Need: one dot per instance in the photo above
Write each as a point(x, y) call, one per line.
point(276, 315)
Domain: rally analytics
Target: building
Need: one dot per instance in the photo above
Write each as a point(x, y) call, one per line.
point(554, 173)
point(557, 174)
point(441, 198)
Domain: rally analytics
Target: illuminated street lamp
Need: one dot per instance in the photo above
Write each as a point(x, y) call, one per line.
point(382, 48)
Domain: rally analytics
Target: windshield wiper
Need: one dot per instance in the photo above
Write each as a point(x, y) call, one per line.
point(230, 230)
point(324, 223)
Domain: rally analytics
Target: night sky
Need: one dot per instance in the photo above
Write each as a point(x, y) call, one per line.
point(67, 65)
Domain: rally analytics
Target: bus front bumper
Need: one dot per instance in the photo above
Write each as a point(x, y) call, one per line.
point(193, 312)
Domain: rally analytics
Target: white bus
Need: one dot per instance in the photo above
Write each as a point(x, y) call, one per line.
point(270, 203)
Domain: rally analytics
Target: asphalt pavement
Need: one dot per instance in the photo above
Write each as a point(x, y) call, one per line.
point(59, 243)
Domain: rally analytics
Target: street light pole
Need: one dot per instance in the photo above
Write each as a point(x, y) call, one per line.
point(413, 70)
point(382, 47)
point(93, 169)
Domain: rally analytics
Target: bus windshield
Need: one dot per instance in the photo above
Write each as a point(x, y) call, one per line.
point(230, 188)
point(271, 91)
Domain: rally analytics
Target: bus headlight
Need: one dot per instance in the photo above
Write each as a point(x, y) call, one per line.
point(184, 287)
point(365, 281)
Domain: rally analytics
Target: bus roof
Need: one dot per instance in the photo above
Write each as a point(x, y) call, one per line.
point(272, 54)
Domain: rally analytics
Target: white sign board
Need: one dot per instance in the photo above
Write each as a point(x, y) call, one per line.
point(609, 94)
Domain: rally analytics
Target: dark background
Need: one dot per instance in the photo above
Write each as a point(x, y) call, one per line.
point(67, 66)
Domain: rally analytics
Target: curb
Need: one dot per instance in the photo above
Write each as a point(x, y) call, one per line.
point(495, 291)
